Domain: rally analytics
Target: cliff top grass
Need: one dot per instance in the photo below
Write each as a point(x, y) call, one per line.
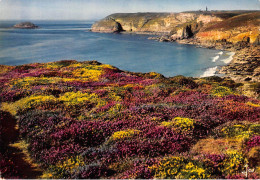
point(222, 14)
point(138, 20)
point(138, 15)
point(242, 20)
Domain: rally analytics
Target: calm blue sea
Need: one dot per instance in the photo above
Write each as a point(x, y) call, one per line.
point(60, 40)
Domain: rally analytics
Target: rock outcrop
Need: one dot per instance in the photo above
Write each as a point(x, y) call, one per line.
point(25, 25)
point(185, 31)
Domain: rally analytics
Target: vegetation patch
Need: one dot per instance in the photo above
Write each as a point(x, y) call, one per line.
point(89, 120)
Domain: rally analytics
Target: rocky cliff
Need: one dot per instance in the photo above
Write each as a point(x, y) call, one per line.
point(225, 26)
point(150, 22)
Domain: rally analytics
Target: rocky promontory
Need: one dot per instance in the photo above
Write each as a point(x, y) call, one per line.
point(26, 25)
point(207, 27)
point(149, 22)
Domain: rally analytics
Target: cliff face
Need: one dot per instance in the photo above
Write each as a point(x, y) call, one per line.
point(107, 25)
point(148, 22)
point(215, 26)
point(136, 22)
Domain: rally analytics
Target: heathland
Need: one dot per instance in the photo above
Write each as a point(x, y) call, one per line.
point(70, 119)
point(91, 120)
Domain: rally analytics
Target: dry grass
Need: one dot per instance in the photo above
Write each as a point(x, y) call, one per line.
point(216, 146)
point(250, 19)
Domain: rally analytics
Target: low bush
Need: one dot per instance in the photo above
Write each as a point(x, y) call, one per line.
point(89, 120)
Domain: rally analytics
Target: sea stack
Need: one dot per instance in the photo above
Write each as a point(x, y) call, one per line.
point(26, 25)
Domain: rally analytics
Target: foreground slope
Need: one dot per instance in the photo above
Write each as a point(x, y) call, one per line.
point(90, 120)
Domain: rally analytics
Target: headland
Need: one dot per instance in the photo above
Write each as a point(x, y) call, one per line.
point(236, 31)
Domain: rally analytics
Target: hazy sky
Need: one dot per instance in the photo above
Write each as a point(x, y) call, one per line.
point(96, 9)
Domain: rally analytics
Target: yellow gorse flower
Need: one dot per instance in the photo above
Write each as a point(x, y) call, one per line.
point(168, 167)
point(90, 72)
point(27, 82)
point(222, 91)
point(180, 124)
point(252, 104)
point(27, 103)
point(178, 167)
point(124, 134)
point(234, 162)
point(77, 98)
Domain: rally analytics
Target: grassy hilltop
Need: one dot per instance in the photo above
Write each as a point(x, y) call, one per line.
point(91, 120)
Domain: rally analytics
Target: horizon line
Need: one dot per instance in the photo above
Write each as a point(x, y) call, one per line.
point(125, 13)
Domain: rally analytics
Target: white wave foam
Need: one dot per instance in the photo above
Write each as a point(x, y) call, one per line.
point(220, 53)
point(229, 59)
point(210, 72)
point(214, 59)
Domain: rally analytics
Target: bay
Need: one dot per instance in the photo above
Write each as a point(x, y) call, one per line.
point(66, 40)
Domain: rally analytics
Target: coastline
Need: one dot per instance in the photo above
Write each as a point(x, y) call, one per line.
point(241, 66)
point(163, 37)
point(235, 64)
point(237, 32)
point(243, 63)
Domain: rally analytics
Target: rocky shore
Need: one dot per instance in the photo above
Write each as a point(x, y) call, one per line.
point(245, 65)
point(243, 68)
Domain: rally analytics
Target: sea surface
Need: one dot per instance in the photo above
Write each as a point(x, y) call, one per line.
point(63, 40)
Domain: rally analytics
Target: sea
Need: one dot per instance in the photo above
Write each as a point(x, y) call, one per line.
point(73, 40)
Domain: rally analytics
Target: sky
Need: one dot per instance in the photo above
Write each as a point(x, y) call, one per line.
point(97, 9)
